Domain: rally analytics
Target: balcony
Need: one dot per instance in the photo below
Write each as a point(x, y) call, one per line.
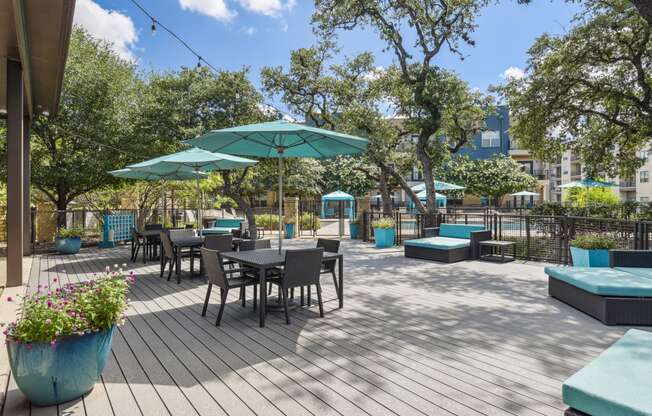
point(625, 185)
point(519, 152)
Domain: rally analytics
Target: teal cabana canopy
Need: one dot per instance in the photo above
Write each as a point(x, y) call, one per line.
point(588, 183)
point(336, 197)
point(441, 199)
point(439, 186)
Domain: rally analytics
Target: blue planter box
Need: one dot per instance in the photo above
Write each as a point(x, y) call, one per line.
point(589, 258)
point(289, 230)
point(353, 228)
point(384, 237)
point(50, 375)
point(69, 245)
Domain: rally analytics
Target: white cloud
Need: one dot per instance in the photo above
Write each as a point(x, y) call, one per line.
point(272, 8)
point(284, 25)
point(249, 30)
point(216, 9)
point(513, 72)
point(109, 25)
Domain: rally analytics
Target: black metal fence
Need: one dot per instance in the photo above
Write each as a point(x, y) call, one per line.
point(539, 238)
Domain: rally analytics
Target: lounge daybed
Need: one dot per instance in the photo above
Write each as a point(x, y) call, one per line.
point(448, 243)
point(617, 383)
point(224, 226)
point(617, 295)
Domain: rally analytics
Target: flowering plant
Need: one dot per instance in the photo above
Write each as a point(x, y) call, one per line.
point(72, 309)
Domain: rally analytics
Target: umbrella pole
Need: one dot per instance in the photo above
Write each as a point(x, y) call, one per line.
point(199, 204)
point(280, 199)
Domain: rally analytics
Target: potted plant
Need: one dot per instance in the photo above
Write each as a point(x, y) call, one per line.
point(592, 250)
point(68, 240)
point(289, 227)
point(354, 228)
point(58, 347)
point(384, 232)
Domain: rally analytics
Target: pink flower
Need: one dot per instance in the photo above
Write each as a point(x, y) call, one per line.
point(55, 279)
point(53, 343)
point(10, 299)
point(48, 321)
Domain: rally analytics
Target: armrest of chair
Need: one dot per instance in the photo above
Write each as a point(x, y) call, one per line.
point(630, 258)
point(476, 237)
point(431, 232)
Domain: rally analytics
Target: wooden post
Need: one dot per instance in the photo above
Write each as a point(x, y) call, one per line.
point(27, 207)
point(15, 140)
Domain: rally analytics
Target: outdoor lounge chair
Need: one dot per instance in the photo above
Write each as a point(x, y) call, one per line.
point(617, 295)
point(448, 243)
point(616, 383)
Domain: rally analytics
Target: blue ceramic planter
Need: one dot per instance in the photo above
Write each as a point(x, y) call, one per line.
point(49, 375)
point(589, 258)
point(70, 245)
point(384, 237)
point(289, 230)
point(353, 228)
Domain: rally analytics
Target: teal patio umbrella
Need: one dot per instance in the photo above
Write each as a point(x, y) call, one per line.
point(588, 183)
point(439, 186)
point(149, 176)
point(523, 194)
point(279, 139)
point(191, 161)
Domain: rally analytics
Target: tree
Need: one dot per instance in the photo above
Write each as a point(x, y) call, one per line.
point(422, 86)
point(91, 133)
point(589, 91)
point(584, 197)
point(644, 7)
point(493, 178)
point(348, 174)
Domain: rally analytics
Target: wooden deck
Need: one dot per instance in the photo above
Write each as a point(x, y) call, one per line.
point(414, 338)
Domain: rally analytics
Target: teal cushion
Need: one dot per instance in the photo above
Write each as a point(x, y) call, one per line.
point(638, 271)
point(441, 243)
point(618, 382)
point(228, 222)
point(217, 230)
point(603, 281)
point(458, 230)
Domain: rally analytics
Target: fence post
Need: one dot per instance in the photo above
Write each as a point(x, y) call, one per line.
point(363, 225)
point(527, 237)
point(495, 224)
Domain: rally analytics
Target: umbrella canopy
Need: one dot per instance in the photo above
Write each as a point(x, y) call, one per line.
point(337, 196)
point(280, 139)
point(274, 138)
point(422, 195)
point(149, 176)
point(525, 193)
point(193, 160)
point(588, 183)
point(439, 186)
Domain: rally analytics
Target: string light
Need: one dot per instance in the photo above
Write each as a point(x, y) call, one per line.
point(153, 27)
point(199, 62)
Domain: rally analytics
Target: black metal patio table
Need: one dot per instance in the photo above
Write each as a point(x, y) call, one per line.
point(265, 259)
point(152, 237)
point(180, 243)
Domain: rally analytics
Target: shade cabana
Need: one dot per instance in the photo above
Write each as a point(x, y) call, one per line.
point(338, 196)
point(441, 200)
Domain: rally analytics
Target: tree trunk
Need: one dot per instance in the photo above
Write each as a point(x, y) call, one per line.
point(404, 185)
point(645, 9)
point(62, 205)
point(386, 195)
point(428, 178)
point(249, 214)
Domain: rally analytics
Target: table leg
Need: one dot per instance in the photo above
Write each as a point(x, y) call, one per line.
point(502, 254)
point(176, 250)
point(262, 273)
point(192, 261)
point(340, 272)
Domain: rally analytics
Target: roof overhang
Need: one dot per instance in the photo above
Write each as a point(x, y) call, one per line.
point(36, 33)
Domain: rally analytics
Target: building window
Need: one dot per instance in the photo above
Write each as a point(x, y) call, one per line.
point(644, 176)
point(417, 174)
point(490, 138)
point(645, 154)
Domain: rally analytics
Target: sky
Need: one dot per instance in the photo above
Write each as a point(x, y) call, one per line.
point(232, 34)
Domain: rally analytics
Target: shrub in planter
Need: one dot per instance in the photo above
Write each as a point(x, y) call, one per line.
point(384, 232)
point(354, 228)
point(592, 250)
point(68, 240)
point(59, 346)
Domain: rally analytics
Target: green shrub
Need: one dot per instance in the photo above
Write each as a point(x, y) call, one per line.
point(270, 221)
point(307, 220)
point(74, 309)
point(384, 223)
point(594, 242)
point(70, 232)
point(549, 209)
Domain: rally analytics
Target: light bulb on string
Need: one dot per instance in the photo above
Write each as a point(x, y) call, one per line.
point(198, 62)
point(153, 27)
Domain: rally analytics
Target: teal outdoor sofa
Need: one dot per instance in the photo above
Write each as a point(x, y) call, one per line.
point(448, 243)
point(224, 226)
point(616, 383)
point(617, 295)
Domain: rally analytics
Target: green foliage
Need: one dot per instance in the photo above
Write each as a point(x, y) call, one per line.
point(594, 242)
point(583, 197)
point(270, 221)
point(588, 90)
point(70, 232)
point(549, 209)
point(493, 177)
point(384, 223)
point(347, 174)
point(72, 309)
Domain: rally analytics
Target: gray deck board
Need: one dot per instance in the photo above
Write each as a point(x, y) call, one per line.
point(414, 338)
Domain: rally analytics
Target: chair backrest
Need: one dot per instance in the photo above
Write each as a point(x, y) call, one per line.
point(329, 246)
point(174, 234)
point(213, 268)
point(168, 251)
point(302, 267)
point(219, 242)
point(459, 230)
point(134, 234)
point(247, 245)
point(153, 226)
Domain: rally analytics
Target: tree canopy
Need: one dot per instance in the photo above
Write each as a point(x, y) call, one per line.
point(589, 90)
